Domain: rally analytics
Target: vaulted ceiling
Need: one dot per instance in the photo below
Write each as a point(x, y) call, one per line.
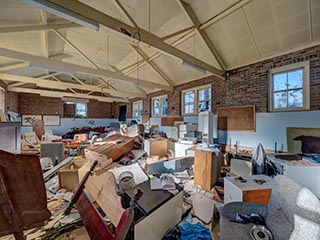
point(144, 45)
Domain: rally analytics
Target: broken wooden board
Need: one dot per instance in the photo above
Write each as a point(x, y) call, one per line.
point(102, 188)
point(23, 193)
point(113, 148)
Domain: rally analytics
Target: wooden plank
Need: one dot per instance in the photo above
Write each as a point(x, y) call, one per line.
point(115, 146)
point(169, 121)
point(102, 188)
point(22, 178)
point(242, 118)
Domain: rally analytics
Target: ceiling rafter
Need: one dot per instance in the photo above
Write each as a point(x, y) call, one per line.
point(59, 66)
point(125, 29)
point(144, 93)
point(31, 28)
point(171, 35)
point(152, 65)
point(224, 13)
point(58, 80)
point(44, 34)
point(63, 85)
point(66, 94)
point(194, 19)
point(125, 13)
point(133, 67)
point(14, 66)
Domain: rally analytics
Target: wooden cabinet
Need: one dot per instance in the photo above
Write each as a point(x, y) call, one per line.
point(206, 168)
point(250, 191)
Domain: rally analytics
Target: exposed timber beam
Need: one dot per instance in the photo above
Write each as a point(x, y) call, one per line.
point(44, 34)
point(125, 13)
point(59, 56)
point(63, 85)
point(224, 13)
point(59, 66)
point(193, 17)
point(65, 94)
point(171, 35)
point(14, 66)
point(32, 28)
point(142, 35)
point(151, 64)
point(143, 92)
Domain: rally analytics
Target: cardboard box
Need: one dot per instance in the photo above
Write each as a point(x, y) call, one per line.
point(71, 175)
point(156, 147)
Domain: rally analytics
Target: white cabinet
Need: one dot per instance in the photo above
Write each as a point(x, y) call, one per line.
point(249, 191)
point(205, 125)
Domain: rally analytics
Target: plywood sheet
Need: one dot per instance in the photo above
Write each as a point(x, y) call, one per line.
point(169, 121)
point(23, 189)
point(102, 188)
point(242, 118)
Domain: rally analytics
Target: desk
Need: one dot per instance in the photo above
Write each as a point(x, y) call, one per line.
point(161, 210)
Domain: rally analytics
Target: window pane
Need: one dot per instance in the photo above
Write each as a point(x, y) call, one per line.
point(280, 100)
point(204, 94)
point(295, 79)
point(156, 107)
point(280, 81)
point(81, 109)
point(295, 98)
point(189, 97)
point(204, 106)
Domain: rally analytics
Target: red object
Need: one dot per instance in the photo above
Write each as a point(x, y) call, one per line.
point(95, 225)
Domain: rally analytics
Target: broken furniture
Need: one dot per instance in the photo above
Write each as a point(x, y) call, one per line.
point(109, 149)
point(207, 163)
point(205, 126)
point(71, 175)
point(23, 201)
point(53, 150)
point(180, 149)
point(76, 142)
point(255, 189)
point(292, 213)
point(156, 147)
point(158, 211)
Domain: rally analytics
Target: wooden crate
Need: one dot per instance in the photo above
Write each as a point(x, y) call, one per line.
point(71, 175)
point(156, 147)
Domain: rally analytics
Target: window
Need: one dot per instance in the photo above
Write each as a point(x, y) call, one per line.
point(2, 99)
point(81, 109)
point(196, 100)
point(160, 106)
point(289, 87)
point(137, 109)
point(76, 109)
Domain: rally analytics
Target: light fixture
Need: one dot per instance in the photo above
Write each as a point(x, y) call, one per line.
point(64, 13)
point(194, 67)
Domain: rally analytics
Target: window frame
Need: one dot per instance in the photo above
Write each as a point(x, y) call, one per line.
point(160, 106)
point(139, 109)
point(305, 86)
point(2, 99)
point(196, 99)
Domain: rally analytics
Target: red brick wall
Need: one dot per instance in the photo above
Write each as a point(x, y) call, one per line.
point(11, 99)
point(96, 109)
point(247, 85)
point(36, 104)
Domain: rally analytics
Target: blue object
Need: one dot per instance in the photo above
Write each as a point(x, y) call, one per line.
point(196, 231)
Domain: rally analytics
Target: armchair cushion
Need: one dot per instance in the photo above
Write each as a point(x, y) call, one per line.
point(231, 209)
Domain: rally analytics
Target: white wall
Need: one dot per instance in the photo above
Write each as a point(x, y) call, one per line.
point(270, 128)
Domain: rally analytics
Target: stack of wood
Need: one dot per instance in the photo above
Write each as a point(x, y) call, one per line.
point(109, 149)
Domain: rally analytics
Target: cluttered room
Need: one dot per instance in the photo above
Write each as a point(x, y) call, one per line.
point(160, 120)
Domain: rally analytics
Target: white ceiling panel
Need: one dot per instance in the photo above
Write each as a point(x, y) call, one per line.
point(315, 14)
point(207, 9)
